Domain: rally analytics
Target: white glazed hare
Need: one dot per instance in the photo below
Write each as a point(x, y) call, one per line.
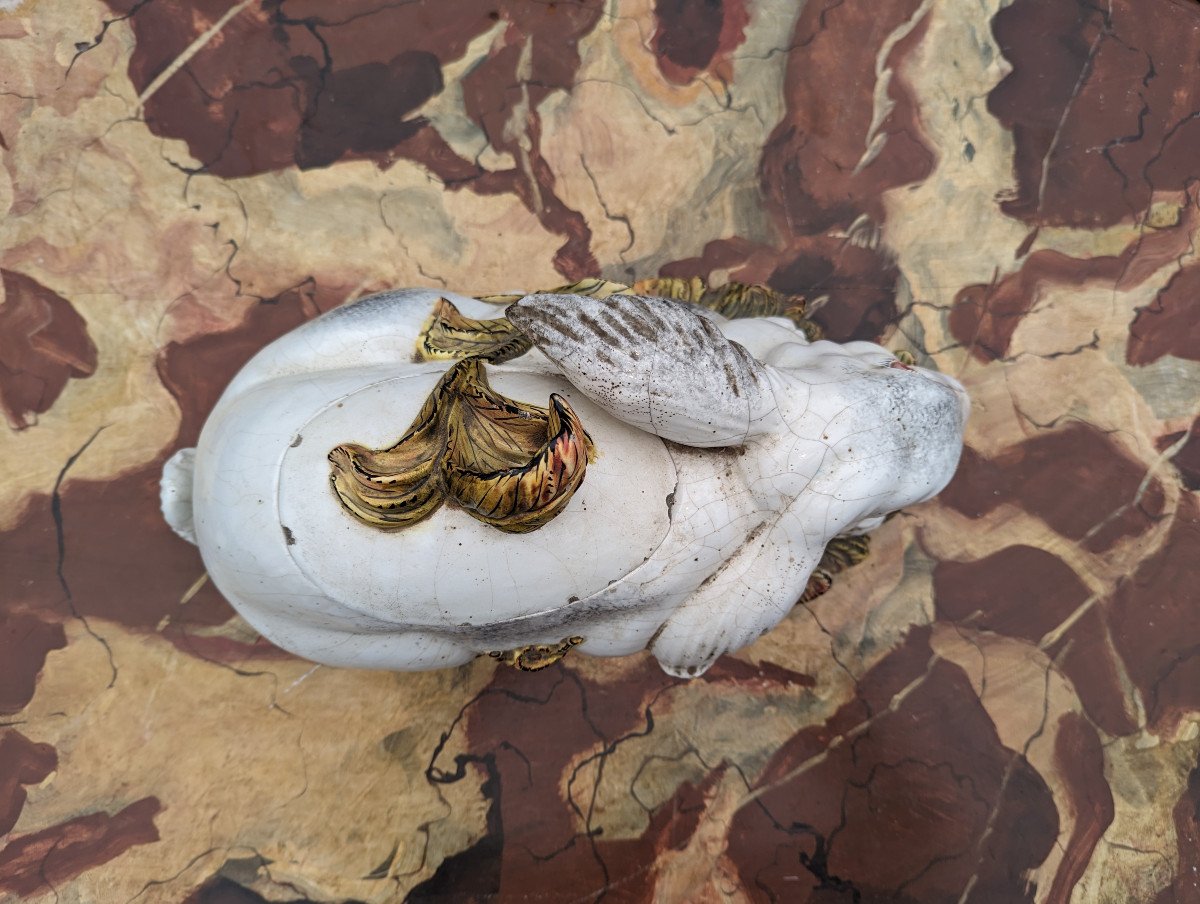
point(675, 494)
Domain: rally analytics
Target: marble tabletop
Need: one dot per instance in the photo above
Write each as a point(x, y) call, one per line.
point(1001, 704)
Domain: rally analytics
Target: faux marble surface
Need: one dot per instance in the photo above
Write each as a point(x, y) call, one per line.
point(1001, 704)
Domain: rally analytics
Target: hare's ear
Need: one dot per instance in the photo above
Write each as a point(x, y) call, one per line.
point(653, 363)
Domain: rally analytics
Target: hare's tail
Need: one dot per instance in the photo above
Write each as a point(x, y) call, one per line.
point(175, 491)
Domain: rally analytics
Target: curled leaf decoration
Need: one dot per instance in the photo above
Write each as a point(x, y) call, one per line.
point(526, 495)
point(679, 288)
point(841, 553)
point(509, 464)
point(536, 656)
point(448, 334)
point(395, 487)
point(733, 300)
point(591, 287)
point(845, 552)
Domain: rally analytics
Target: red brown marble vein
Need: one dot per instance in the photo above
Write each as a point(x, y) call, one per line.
point(858, 282)
point(42, 861)
point(221, 890)
point(296, 83)
point(204, 642)
point(1025, 592)
point(728, 670)
point(1101, 104)
point(112, 528)
point(822, 166)
point(977, 486)
point(22, 762)
point(1085, 654)
point(827, 165)
point(1020, 591)
point(1075, 478)
point(912, 799)
point(1079, 756)
point(503, 100)
point(524, 731)
point(254, 98)
point(1187, 458)
point(362, 111)
point(43, 343)
point(1168, 325)
point(1156, 623)
point(986, 315)
point(691, 36)
point(25, 641)
point(853, 286)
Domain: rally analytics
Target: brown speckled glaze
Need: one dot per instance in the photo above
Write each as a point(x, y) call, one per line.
point(1001, 704)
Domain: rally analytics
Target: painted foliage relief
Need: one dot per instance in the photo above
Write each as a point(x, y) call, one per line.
point(1001, 703)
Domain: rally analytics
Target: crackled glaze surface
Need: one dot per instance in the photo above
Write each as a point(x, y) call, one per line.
point(723, 476)
point(1000, 704)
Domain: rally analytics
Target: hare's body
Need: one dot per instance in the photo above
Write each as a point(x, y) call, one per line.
point(720, 472)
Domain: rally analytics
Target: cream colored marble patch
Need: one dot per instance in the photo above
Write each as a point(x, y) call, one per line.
point(341, 226)
point(94, 217)
point(283, 761)
point(667, 167)
point(447, 110)
point(1076, 320)
point(695, 730)
point(1167, 385)
point(1007, 675)
point(946, 231)
point(1137, 855)
point(868, 612)
point(700, 872)
point(507, 246)
point(1089, 389)
point(101, 213)
point(620, 153)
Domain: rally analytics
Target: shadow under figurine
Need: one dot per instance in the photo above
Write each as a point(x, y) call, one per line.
point(421, 477)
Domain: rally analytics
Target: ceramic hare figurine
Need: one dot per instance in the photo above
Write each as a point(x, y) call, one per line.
point(422, 477)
